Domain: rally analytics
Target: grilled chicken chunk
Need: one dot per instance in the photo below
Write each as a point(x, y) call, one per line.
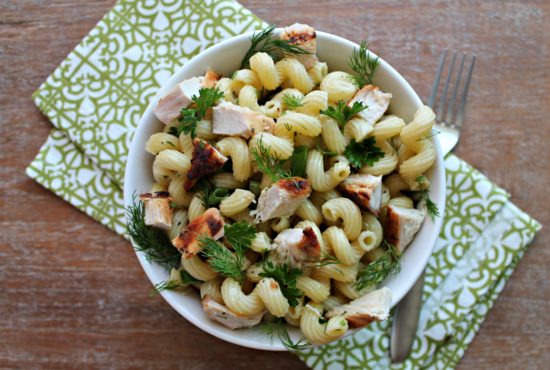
point(233, 120)
point(209, 224)
point(282, 198)
point(206, 160)
point(210, 79)
point(158, 212)
point(375, 99)
point(401, 225)
point(170, 105)
point(373, 306)
point(365, 190)
point(295, 246)
point(223, 315)
point(305, 37)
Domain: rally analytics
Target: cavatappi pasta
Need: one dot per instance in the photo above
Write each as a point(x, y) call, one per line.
point(269, 152)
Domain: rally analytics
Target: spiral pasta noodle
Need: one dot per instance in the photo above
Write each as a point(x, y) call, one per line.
point(339, 86)
point(237, 149)
point(270, 293)
point(237, 301)
point(319, 333)
point(348, 212)
point(321, 180)
point(296, 73)
point(413, 138)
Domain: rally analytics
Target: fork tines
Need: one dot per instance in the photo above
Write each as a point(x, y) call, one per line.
point(450, 110)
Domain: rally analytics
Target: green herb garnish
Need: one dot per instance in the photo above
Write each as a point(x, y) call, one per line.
point(265, 42)
point(363, 65)
point(342, 113)
point(324, 260)
point(292, 101)
point(277, 327)
point(151, 241)
point(286, 277)
point(363, 153)
point(268, 163)
point(189, 117)
point(298, 161)
point(377, 271)
point(240, 235)
point(185, 279)
point(432, 134)
point(213, 197)
point(431, 207)
point(222, 260)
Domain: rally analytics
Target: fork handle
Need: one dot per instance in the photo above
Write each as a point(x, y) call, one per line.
point(405, 322)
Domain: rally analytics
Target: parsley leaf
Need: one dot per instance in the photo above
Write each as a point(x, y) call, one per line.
point(190, 116)
point(363, 153)
point(286, 277)
point(377, 271)
point(342, 113)
point(363, 65)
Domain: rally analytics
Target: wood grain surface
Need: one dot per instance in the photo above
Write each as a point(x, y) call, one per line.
point(72, 294)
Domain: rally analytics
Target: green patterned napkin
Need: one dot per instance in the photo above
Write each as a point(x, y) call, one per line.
point(97, 95)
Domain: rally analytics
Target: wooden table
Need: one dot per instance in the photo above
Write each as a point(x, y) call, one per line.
point(72, 293)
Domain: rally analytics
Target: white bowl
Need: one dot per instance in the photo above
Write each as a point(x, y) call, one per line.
point(225, 58)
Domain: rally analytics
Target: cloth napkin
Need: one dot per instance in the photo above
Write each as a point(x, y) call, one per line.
point(95, 99)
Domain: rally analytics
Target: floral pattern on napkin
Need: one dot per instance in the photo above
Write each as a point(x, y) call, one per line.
point(99, 92)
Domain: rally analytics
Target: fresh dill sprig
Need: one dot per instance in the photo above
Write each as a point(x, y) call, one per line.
point(342, 113)
point(265, 42)
point(189, 117)
point(433, 133)
point(377, 271)
point(363, 64)
point(240, 235)
point(286, 277)
point(324, 260)
point(363, 153)
point(165, 285)
point(151, 241)
point(277, 327)
point(431, 207)
point(268, 163)
point(222, 260)
point(292, 101)
point(184, 280)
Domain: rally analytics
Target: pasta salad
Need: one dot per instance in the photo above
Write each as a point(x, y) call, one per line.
point(286, 193)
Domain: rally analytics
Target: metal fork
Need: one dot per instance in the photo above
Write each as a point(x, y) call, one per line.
point(450, 117)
